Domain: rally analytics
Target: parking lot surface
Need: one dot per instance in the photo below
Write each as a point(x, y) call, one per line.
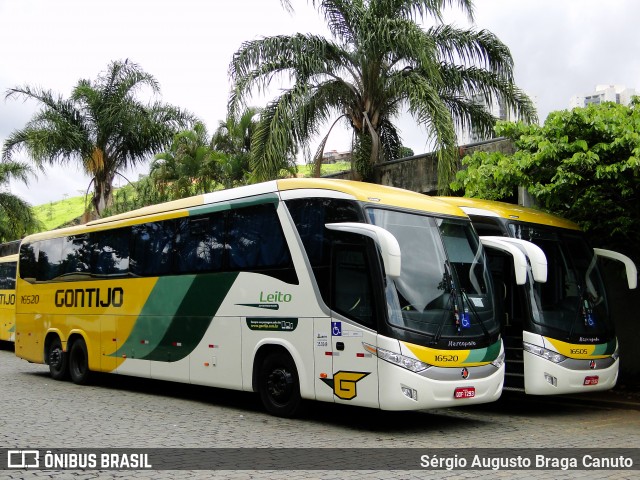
point(127, 412)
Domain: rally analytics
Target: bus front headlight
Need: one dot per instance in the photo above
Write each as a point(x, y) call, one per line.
point(397, 359)
point(554, 357)
point(498, 362)
point(615, 355)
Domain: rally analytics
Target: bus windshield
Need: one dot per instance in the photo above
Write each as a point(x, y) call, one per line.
point(445, 289)
point(573, 299)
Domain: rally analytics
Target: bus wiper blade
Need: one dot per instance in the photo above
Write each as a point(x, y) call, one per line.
point(448, 281)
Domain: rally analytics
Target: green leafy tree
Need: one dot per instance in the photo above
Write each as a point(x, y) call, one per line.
point(16, 216)
point(190, 166)
point(405, 152)
point(141, 193)
point(379, 64)
point(583, 164)
point(233, 137)
point(103, 126)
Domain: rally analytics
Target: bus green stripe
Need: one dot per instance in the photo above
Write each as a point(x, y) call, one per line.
point(193, 316)
point(156, 316)
point(176, 316)
point(488, 354)
point(605, 348)
point(232, 204)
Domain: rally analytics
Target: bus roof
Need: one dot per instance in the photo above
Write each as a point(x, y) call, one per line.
point(362, 191)
point(372, 193)
point(509, 211)
point(9, 258)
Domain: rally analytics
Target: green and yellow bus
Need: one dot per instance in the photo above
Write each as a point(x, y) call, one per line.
point(558, 333)
point(297, 289)
point(8, 262)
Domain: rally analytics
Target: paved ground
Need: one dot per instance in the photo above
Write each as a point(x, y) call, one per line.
point(37, 412)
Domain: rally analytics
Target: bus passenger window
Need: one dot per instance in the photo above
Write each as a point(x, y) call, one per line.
point(111, 252)
point(200, 244)
point(8, 276)
point(255, 239)
point(152, 248)
point(310, 216)
point(76, 254)
point(49, 259)
point(28, 261)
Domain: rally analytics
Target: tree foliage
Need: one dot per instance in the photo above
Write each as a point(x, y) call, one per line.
point(190, 166)
point(583, 164)
point(16, 216)
point(233, 138)
point(379, 64)
point(103, 126)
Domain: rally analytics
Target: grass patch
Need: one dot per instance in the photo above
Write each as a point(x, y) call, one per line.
point(326, 169)
point(57, 214)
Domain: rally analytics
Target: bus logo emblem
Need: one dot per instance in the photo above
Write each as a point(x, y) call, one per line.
point(592, 364)
point(465, 373)
point(344, 383)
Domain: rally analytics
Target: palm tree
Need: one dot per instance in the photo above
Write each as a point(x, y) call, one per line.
point(234, 137)
point(190, 166)
point(103, 126)
point(379, 64)
point(16, 216)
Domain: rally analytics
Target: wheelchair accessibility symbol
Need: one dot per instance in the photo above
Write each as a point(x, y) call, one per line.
point(336, 329)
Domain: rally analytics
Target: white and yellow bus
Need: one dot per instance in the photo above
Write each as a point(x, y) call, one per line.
point(558, 333)
point(297, 289)
point(8, 262)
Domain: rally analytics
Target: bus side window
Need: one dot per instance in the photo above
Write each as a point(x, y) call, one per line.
point(310, 216)
point(76, 254)
point(487, 226)
point(29, 261)
point(8, 276)
point(256, 242)
point(152, 248)
point(49, 263)
point(111, 252)
point(352, 292)
point(200, 244)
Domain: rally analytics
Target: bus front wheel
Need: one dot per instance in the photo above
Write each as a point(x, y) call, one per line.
point(79, 362)
point(57, 360)
point(279, 386)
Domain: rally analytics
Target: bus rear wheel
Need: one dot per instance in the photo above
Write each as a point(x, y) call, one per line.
point(79, 362)
point(57, 360)
point(279, 385)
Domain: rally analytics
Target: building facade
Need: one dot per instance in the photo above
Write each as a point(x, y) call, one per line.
point(603, 93)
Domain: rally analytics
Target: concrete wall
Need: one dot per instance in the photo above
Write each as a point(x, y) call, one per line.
point(420, 172)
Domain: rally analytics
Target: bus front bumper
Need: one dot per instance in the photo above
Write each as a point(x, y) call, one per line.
point(401, 389)
point(543, 377)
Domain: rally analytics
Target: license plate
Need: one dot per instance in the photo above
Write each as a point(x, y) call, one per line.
point(591, 380)
point(464, 392)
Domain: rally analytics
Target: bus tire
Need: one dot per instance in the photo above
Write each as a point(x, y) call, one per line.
point(57, 360)
point(279, 386)
point(79, 362)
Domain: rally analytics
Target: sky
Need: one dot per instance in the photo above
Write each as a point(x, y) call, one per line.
point(560, 48)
